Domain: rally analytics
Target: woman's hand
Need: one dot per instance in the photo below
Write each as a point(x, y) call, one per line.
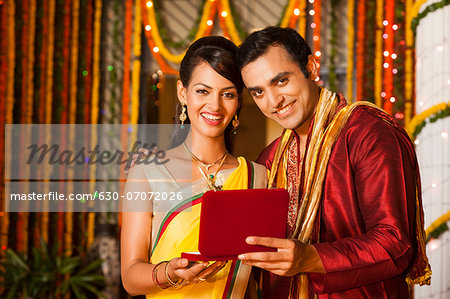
point(181, 268)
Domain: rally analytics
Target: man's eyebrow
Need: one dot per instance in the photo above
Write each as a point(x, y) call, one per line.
point(278, 77)
point(250, 89)
point(203, 84)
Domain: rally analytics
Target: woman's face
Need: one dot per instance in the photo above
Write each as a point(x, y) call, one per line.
point(211, 100)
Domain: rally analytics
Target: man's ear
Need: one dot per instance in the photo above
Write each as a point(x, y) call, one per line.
point(313, 67)
point(181, 92)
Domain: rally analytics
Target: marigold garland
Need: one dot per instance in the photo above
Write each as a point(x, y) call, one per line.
point(302, 18)
point(294, 18)
point(360, 36)
point(230, 23)
point(378, 84)
point(135, 76)
point(148, 33)
point(74, 61)
point(438, 226)
point(350, 48)
point(95, 105)
point(389, 47)
point(288, 13)
point(418, 122)
point(409, 63)
point(317, 19)
point(126, 61)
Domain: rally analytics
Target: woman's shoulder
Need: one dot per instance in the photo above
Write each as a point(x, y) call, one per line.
point(259, 174)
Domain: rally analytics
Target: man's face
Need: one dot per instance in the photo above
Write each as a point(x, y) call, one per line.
point(280, 89)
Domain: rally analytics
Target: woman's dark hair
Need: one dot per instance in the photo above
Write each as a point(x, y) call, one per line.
point(220, 54)
point(259, 42)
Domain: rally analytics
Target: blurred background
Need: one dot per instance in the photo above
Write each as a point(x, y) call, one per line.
point(116, 62)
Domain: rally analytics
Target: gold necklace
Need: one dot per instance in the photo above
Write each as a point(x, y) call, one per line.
point(207, 166)
point(211, 179)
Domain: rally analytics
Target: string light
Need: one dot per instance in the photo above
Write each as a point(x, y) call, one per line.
point(316, 38)
point(159, 72)
point(440, 48)
point(148, 27)
point(420, 103)
point(392, 99)
point(386, 53)
point(434, 185)
point(296, 11)
point(385, 22)
point(399, 115)
point(311, 1)
point(224, 14)
point(312, 12)
point(385, 65)
point(313, 25)
point(448, 81)
point(156, 49)
point(394, 56)
point(383, 94)
point(395, 26)
point(394, 71)
point(416, 142)
point(385, 36)
point(209, 22)
point(318, 53)
point(433, 244)
point(149, 4)
point(444, 134)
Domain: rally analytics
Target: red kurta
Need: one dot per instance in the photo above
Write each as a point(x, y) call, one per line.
point(367, 213)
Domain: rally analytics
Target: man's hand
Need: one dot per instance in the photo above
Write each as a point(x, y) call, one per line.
point(292, 256)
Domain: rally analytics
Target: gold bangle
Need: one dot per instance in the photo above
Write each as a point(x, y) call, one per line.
point(170, 281)
point(155, 276)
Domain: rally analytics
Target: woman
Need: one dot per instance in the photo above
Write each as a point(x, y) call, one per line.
point(210, 93)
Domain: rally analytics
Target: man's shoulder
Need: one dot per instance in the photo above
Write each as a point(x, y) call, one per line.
point(266, 156)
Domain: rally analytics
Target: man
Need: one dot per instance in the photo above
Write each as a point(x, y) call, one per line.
point(355, 223)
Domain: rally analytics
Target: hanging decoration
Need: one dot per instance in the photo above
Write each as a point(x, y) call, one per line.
point(431, 115)
point(351, 47)
point(332, 77)
point(409, 63)
point(388, 37)
point(316, 13)
point(438, 227)
point(378, 88)
point(360, 50)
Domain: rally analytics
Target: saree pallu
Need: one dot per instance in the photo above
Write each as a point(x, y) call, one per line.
point(179, 233)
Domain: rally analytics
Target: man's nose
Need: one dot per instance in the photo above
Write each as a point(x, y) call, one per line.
point(275, 99)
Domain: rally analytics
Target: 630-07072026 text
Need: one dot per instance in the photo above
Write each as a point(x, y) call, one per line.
point(103, 195)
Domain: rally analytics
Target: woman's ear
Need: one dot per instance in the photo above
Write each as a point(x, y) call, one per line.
point(313, 67)
point(181, 92)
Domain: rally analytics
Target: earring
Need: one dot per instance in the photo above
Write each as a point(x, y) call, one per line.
point(182, 116)
point(235, 124)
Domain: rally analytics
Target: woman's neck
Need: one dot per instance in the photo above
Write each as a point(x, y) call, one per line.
point(207, 149)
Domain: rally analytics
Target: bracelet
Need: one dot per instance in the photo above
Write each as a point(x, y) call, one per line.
point(155, 276)
point(171, 282)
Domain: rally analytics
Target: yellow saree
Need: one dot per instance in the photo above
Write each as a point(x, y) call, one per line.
point(179, 232)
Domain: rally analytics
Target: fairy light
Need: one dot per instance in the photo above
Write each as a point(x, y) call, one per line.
point(312, 12)
point(420, 103)
point(317, 79)
point(224, 14)
point(392, 99)
point(385, 36)
point(385, 22)
point(148, 27)
point(440, 48)
point(209, 22)
point(149, 4)
point(313, 25)
point(433, 244)
point(311, 1)
point(159, 72)
point(296, 11)
point(399, 115)
point(156, 49)
point(318, 53)
point(394, 71)
point(416, 142)
point(316, 38)
point(434, 185)
point(394, 56)
point(448, 81)
point(383, 94)
point(385, 65)
point(395, 26)
point(386, 53)
point(444, 134)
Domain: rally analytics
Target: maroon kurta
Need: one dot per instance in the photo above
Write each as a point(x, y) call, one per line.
point(367, 213)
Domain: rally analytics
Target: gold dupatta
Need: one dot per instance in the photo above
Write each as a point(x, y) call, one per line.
point(326, 129)
point(179, 233)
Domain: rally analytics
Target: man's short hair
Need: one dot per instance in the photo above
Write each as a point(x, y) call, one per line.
point(259, 42)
